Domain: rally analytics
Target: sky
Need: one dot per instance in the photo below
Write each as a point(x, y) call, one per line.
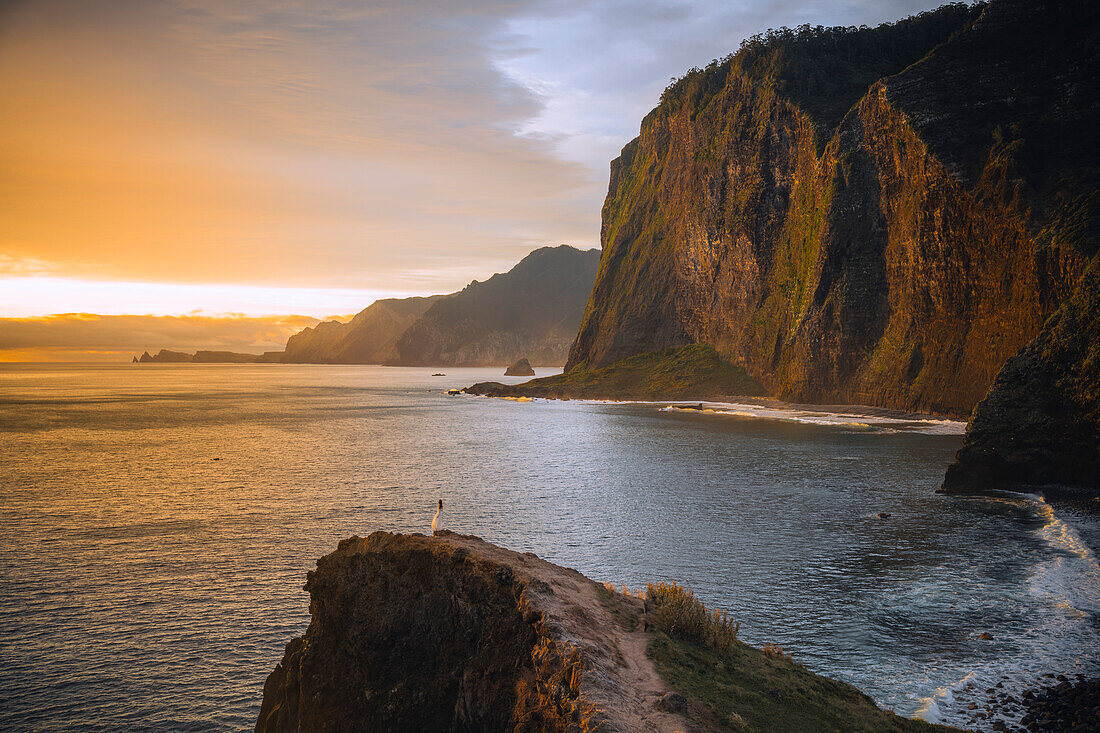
point(219, 157)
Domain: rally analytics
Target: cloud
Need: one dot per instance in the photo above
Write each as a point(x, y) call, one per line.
point(24, 266)
point(83, 336)
point(402, 145)
point(302, 144)
point(599, 67)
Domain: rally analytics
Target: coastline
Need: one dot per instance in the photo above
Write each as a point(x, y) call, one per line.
point(767, 408)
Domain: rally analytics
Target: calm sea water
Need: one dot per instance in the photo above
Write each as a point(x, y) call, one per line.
point(157, 522)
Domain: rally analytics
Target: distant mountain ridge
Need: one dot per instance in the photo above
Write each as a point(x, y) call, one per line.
point(532, 311)
point(167, 356)
point(368, 338)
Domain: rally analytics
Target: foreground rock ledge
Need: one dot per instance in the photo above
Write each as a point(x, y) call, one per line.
point(452, 633)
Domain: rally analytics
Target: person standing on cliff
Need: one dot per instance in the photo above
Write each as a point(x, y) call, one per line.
point(437, 520)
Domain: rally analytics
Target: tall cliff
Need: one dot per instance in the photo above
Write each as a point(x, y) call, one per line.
point(531, 311)
point(368, 338)
point(880, 216)
point(450, 633)
point(1040, 423)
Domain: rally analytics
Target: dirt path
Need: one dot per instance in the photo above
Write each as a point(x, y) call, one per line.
point(621, 680)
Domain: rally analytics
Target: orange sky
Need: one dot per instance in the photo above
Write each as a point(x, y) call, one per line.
point(227, 156)
point(307, 147)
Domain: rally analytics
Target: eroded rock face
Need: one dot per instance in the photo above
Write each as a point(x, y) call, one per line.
point(854, 227)
point(1040, 424)
point(450, 633)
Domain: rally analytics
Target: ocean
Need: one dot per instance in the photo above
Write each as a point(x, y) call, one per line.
point(158, 521)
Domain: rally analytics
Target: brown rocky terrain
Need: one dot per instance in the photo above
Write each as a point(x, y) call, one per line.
point(451, 633)
point(417, 633)
point(880, 216)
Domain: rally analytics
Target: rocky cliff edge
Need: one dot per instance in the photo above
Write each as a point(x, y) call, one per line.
point(452, 633)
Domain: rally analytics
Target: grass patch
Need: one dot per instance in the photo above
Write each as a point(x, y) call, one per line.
point(748, 690)
point(676, 611)
point(742, 688)
point(688, 372)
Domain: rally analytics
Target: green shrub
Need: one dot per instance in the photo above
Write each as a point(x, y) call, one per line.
point(676, 611)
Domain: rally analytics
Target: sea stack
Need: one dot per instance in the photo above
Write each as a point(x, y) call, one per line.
point(521, 368)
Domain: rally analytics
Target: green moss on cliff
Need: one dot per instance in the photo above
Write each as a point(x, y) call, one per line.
point(690, 372)
point(879, 216)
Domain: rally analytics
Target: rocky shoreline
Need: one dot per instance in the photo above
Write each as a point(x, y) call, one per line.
point(1055, 703)
point(1065, 706)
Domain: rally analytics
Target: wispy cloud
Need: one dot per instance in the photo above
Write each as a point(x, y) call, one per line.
point(24, 266)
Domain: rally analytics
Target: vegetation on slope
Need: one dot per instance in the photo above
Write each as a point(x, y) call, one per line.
point(531, 311)
point(747, 689)
point(689, 372)
point(824, 70)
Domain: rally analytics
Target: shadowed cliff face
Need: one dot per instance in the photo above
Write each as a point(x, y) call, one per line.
point(531, 311)
point(1040, 424)
point(458, 636)
point(848, 240)
point(369, 338)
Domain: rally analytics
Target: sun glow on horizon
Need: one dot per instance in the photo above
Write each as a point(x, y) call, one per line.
point(23, 297)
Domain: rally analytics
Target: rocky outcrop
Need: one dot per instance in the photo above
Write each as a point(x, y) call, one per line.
point(879, 216)
point(521, 368)
point(1039, 427)
point(450, 633)
point(368, 338)
point(531, 311)
point(691, 372)
point(165, 356)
